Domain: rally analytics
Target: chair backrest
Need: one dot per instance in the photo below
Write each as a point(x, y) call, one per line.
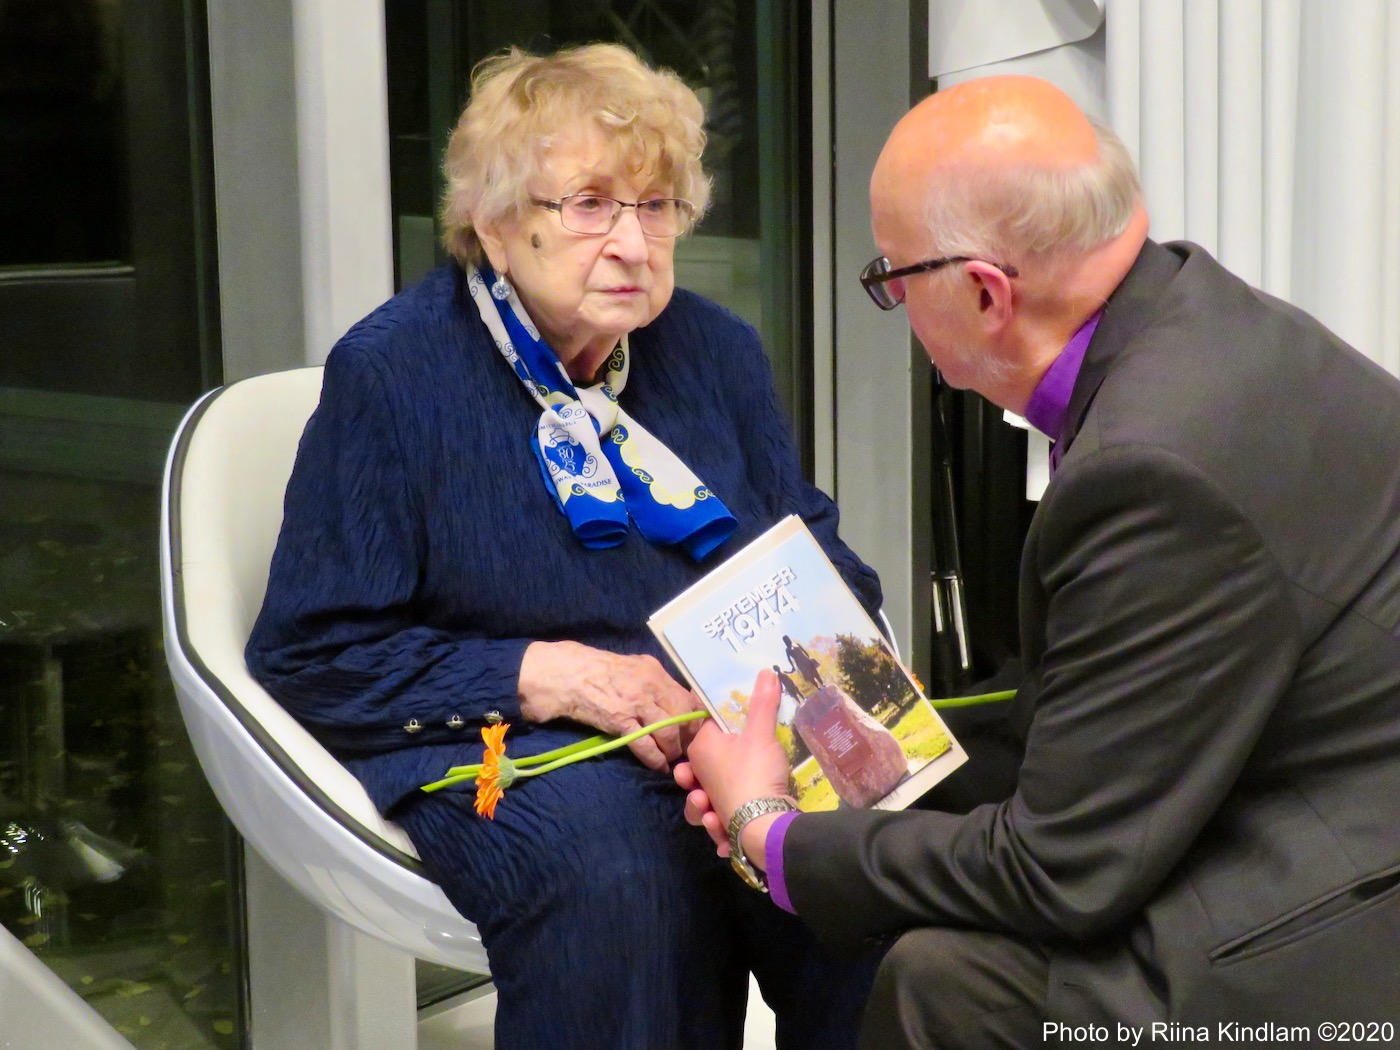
point(225, 479)
point(233, 476)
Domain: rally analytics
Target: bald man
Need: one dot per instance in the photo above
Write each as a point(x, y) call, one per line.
point(1205, 831)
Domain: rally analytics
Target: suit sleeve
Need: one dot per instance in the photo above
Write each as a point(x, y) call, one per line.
point(337, 641)
point(1169, 636)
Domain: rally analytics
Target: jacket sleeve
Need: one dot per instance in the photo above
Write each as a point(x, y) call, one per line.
point(337, 641)
point(1169, 637)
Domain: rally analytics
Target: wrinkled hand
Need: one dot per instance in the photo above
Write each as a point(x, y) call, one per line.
point(614, 693)
point(725, 770)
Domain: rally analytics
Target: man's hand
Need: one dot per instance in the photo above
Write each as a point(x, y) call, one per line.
point(725, 770)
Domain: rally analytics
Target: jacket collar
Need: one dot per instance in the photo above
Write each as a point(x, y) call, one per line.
point(1129, 309)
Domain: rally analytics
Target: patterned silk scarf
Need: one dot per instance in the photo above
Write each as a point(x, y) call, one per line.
point(597, 483)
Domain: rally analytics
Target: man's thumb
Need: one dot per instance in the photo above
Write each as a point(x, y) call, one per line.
point(763, 705)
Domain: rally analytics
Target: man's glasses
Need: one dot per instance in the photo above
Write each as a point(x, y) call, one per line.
point(886, 287)
point(589, 214)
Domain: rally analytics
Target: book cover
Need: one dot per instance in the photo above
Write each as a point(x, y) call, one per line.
point(856, 726)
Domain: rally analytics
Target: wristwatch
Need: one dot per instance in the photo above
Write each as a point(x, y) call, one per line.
point(750, 810)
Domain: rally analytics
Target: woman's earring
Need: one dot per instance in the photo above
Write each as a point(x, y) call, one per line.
point(500, 289)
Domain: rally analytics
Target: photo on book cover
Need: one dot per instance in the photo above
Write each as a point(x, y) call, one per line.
point(857, 729)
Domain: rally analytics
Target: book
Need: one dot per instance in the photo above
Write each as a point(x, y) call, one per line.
point(856, 726)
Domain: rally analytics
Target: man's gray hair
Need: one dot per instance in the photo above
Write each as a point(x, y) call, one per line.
point(1009, 214)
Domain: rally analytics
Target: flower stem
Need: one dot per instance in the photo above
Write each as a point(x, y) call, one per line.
point(534, 760)
point(599, 745)
point(453, 777)
point(612, 743)
point(560, 752)
point(969, 701)
point(563, 756)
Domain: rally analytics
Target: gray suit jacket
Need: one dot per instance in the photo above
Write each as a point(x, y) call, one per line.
point(1206, 825)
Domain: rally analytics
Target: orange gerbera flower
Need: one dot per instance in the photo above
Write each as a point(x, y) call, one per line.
point(495, 772)
point(489, 789)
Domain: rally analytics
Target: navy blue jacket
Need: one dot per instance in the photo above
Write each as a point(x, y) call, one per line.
point(421, 553)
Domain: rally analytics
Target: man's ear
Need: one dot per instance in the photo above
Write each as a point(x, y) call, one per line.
point(996, 295)
point(493, 244)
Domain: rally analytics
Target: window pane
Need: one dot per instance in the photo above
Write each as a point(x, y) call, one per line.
point(116, 863)
point(744, 60)
point(63, 181)
point(113, 854)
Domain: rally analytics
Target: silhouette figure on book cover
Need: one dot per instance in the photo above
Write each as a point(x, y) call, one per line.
point(804, 664)
point(792, 696)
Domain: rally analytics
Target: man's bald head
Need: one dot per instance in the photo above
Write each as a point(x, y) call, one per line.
point(1001, 121)
point(1005, 165)
point(1037, 208)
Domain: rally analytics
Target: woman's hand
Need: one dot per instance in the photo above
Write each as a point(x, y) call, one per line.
point(614, 693)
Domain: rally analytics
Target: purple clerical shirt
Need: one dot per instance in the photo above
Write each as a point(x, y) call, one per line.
point(1046, 411)
point(1049, 403)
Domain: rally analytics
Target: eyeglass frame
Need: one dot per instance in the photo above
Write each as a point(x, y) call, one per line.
point(557, 206)
point(870, 281)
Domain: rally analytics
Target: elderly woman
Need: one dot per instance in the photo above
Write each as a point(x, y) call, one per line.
point(512, 465)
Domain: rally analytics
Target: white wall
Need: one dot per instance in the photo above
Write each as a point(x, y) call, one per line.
point(880, 382)
point(301, 175)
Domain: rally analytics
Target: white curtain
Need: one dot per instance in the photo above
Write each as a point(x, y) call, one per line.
point(1269, 132)
point(1266, 130)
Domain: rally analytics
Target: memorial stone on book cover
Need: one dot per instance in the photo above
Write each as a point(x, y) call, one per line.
point(857, 729)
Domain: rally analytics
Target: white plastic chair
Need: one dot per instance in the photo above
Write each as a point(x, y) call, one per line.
point(296, 805)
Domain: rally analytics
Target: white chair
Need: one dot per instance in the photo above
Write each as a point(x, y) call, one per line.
point(295, 804)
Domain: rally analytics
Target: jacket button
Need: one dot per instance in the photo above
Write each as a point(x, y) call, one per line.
point(455, 722)
point(413, 726)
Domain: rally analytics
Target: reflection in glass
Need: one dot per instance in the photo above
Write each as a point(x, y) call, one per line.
point(745, 62)
point(113, 855)
point(114, 858)
point(63, 182)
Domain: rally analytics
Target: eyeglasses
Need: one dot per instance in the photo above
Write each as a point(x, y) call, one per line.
point(885, 287)
point(592, 215)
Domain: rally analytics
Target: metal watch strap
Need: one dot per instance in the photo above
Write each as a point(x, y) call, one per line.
point(751, 810)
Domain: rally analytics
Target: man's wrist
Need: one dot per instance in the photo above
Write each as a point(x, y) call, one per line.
point(740, 839)
point(754, 837)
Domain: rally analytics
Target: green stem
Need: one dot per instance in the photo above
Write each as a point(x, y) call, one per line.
point(533, 760)
point(448, 781)
point(613, 743)
point(548, 761)
point(969, 701)
point(560, 752)
point(563, 756)
point(577, 747)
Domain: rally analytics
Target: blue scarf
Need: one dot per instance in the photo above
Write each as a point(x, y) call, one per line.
point(600, 465)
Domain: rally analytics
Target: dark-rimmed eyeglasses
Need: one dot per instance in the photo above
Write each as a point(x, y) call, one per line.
point(592, 215)
point(885, 287)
